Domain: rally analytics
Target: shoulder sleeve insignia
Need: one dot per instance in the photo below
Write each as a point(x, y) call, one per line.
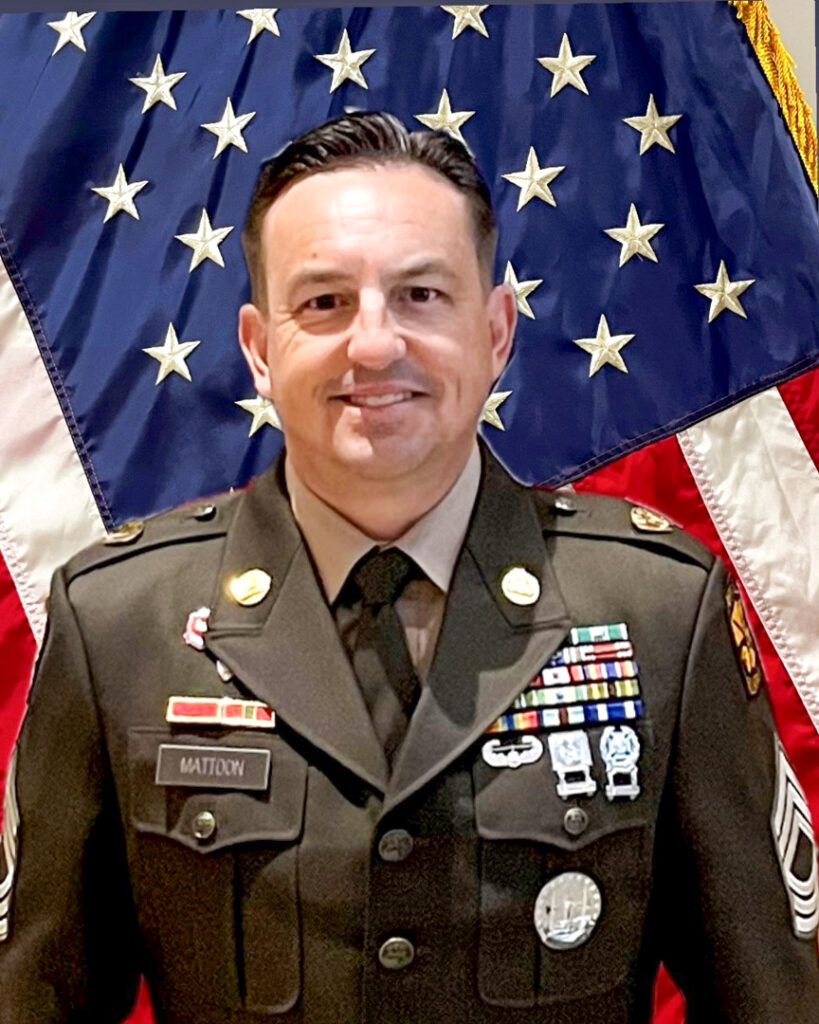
point(647, 521)
point(743, 640)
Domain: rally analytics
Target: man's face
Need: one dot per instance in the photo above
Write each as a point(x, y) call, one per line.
point(380, 342)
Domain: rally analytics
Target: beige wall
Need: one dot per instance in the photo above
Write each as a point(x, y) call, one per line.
point(795, 20)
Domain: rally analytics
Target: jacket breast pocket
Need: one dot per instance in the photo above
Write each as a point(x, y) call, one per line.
point(590, 857)
point(216, 820)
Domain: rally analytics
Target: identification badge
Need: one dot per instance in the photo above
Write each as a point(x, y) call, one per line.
point(203, 767)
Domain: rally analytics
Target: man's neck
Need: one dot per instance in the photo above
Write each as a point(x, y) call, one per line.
point(384, 510)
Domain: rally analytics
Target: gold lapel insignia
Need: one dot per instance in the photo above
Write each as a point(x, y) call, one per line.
point(127, 533)
point(646, 521)
point(249, 587)
point(743, 640)
point(519, 586)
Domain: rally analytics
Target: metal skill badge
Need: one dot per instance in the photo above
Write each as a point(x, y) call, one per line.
point(229, 712)
point(196, 627)
point(572, 761)
point(620, 750)
point(524, 750)
point(567, 910)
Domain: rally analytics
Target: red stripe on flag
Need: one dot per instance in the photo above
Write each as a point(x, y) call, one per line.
point(17, 653)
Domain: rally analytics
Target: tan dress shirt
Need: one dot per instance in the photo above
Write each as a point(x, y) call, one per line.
point(433, 542)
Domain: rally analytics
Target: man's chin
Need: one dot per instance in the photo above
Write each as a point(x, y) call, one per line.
point(382, 459)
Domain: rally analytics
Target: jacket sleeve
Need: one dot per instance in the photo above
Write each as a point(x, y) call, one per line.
point(68, 946)
point(725, 902)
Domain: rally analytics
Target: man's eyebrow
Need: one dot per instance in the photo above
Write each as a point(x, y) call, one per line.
point(331, 275)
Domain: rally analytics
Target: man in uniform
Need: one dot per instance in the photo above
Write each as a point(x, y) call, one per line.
point(387, 737)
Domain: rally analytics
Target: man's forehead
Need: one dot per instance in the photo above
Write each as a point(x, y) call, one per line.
point(395, 193)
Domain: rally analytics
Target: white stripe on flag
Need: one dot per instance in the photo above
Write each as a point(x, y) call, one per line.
point(47, 510)
point(761, 489)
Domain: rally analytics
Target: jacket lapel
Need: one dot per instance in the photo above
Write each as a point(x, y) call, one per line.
point(286, 649)
point(489, 648)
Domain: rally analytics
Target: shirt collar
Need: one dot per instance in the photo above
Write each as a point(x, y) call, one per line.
point(434, 542)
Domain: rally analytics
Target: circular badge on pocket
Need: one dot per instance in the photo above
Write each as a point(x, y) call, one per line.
point(567, 910)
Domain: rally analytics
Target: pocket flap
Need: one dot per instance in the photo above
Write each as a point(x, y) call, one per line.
point(215, 810)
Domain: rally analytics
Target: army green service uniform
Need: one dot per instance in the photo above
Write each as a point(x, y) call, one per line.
point(319, 892)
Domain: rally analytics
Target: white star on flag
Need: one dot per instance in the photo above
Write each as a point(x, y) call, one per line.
point(263, 19)
point(346, 63)
point(229, 129)
point(490, 412)
point(120, 195)
point(522, 289)
point(467, 16)
point(263, 412)
point(205, 242)
point(69, 30)
point(158, 86)
point(171, 355)
point(653, 127)
point(445, 119)
point(533, 181)
point(604, 347)
point(566, 67)
point(724, 293)
point(634, 237)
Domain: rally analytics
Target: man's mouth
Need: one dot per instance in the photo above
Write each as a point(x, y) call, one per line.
point(377, 401)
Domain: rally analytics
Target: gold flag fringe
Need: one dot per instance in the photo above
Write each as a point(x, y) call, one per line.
point(777, 64)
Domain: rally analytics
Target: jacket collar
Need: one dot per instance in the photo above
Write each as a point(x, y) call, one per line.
point(287, 652)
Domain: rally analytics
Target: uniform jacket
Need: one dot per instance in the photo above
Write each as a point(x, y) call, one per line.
point(278, 914)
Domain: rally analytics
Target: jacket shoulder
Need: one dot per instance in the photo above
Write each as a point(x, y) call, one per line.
point(191, 523)
point(601, 517)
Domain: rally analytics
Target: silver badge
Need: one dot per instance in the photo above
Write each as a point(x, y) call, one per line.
point(523, 750)
point(620, 750)
point(572, 761)
point(567, 909)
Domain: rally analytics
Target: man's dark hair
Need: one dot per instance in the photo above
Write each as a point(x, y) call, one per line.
point(361, 139)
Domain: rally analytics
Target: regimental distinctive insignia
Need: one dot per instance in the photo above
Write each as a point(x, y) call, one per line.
point(567, 910)
point(572, 762)
point(195, 628)
point(250, 587)
point(743, 640)
point(620, 750)
point(228, 712)
point(126, 534)
point(8, 847)
point(647, 521)
point(795, 847)
point(519, 586)
point(512, 754)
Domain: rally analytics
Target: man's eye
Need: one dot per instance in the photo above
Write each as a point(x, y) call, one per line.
point(322, 302)
point(419, 293)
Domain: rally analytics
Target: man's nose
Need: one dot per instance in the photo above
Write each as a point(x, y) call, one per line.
point(374, 340)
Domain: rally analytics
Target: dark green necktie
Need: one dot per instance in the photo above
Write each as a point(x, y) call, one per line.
point(377, 647)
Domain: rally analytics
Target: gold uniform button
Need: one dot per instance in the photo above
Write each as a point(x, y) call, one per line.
point(250, 587)
point(396, 953)
point(204, 826)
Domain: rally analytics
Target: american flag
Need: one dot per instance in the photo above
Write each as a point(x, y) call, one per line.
point(656, 223)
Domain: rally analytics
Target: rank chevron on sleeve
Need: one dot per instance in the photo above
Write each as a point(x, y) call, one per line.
point(791, 825)
point(592, 678)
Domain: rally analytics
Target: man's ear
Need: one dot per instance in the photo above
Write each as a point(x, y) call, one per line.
point(253, 335)
point(502, 309)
